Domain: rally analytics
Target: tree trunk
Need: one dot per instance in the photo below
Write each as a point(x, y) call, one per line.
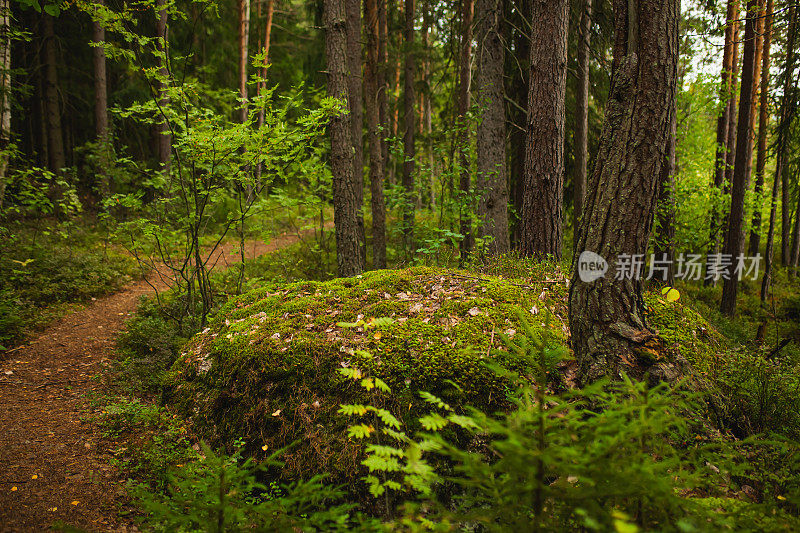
point(244, 37)
point(355, 92)
point(101, 102)
point(787, 111)
point(763, 119)
point(262, 84)
point(383, 85)
point(163, 132)
point(733, 118)
point(726, 96)
point(544, 157)
point(734, 241)
point(607, 316)
point(756, 84)
point(582, 115)
point(517, 112)
point(5, 93)
point(55, 142)
point(428, 194)
point(345, 207)
point(491, 129)
point(376, 166)
point(462, 130)
point(408, 135)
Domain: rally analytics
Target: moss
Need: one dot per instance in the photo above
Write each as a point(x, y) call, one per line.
point(266, 370)
point(686, 332)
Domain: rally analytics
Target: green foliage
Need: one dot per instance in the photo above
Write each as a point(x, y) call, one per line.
point(217, 493)
point(44, 269)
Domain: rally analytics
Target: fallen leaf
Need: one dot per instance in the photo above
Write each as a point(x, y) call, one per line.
point(14, 489)
point(34, 476)
point(277, 413)
point(474, 312)
point(75, 502)
point(264, 447)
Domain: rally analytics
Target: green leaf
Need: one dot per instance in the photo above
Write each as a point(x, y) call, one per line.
point(433, 422)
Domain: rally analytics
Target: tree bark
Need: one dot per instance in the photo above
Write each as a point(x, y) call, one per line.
point(763, 124)
point(345, 207)
point(262, 84)
point(734, 241)
point(517, 110)
point(244, 37)
point(5, 93)
point(462, 131)
point(408, 135)
point(733, 118)
point(101, 101)
point(55, 142)
point(544, 156)
point(787, 111)
point(376, 165)
point(428, 195)
point(581, 115)
point(726, 96)
point(163, 133)
point(355, 92)
point(491, 129)
point(756, 83)
point(607, 316)
point(383, 85)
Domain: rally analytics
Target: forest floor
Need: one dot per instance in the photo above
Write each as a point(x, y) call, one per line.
point(55, 464)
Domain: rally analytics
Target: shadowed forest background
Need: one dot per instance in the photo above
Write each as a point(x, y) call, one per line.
point(313, 266)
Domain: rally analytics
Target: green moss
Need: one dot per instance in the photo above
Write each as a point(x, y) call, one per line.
point(266, 370)
point(686, 332)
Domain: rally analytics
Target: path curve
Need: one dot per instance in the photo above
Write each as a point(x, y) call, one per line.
point(54, 464)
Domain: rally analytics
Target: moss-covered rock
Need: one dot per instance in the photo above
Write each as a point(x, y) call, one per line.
point(267, 369)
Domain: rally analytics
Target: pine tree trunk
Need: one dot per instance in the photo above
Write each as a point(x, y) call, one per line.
point(491, 129)
point(787, 110)
point(763, 120)
point(726, 95)
point(5, 93)
point(408, 135)
point(428, 195)
point(244, 37)
point(163, 132)
point(383, 85)
point(262, 85)
point(756, 84)
point(376, 165)
point(607, 316)
point(582, 115)
point(355, 104)
point(517, 110)
point(345, 206)
point(733, 117)
point(734, 241)
point(462, 141)
point(55, 142)
point(101, 102)
point(544, 157)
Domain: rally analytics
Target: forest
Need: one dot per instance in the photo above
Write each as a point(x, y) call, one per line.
point(399, 265)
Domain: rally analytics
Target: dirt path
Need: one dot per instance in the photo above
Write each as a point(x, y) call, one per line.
point(53, 463)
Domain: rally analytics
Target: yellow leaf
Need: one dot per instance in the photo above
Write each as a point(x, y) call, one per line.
point(53, 509)
point(277, 413)
point(34, 476)
point(377, 335)
point(264, 447)
point(672, 295)
point(75, 502)
point(14, 489)
point(781, 498)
